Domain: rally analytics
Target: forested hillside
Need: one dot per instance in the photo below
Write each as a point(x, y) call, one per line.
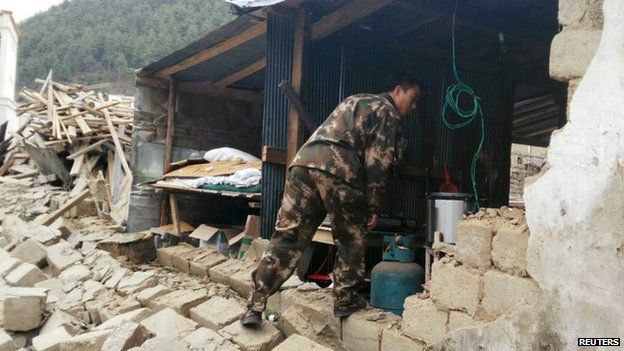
point(95, 41)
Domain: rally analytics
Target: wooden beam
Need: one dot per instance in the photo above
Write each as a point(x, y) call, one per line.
point(202, 89)
point(276, 155)
point(206, 54)
point(296, 102)
point(302, 37)
point(170, 126)
point(345, 16)
point(243, 73)
point(49, 219)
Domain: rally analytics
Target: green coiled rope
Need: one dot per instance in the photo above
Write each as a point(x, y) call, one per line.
point(467, 115)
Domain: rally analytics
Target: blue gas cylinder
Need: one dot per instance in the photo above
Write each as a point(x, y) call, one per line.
point(391, 281)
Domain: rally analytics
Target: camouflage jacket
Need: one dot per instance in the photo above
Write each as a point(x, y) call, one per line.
point(357, 143)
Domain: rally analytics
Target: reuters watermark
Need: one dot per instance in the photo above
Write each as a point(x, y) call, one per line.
point(599, 342)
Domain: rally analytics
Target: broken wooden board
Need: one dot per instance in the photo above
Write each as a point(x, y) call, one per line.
point(49, 219)
point(48, 163)
point(212, 169)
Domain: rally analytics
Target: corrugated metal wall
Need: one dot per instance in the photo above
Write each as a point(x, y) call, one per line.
point(280, 39)
point(336, 71)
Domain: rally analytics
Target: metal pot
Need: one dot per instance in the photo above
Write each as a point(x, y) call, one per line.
point(444, 210)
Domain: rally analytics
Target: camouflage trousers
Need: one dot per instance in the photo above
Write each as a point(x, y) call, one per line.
point(309, 195)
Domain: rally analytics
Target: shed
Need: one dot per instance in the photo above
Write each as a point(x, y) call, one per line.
point(330, 49)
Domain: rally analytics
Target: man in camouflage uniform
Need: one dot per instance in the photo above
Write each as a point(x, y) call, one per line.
point(341, 171)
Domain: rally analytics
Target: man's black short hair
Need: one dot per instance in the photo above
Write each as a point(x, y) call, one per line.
point(405, 79)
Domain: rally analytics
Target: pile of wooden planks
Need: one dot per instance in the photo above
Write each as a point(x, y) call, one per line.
point(76, 136)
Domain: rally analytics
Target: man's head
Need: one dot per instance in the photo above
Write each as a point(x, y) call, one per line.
point(405, 91)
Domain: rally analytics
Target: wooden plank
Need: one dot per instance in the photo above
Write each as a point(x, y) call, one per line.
point(77, 166)
point(7, 165)
point(202, 89)
point(206, 54)
point(345, 16)
point(45, 83)
point(175, 215)
point(272, 154)
point(118, 147)
point(49, 219)
point(117, 179)
point(243, 73)
point(295, 101)
point(295, 130)
point(212, 169)
point(170, 126)
point(7, 180)
point(87, 149)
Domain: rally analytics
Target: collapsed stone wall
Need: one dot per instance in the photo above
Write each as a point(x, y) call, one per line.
point(482, 278)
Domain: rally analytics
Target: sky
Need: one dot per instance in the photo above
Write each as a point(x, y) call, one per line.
point(23, 9)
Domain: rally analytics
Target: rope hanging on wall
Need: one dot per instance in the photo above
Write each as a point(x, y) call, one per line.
point(467, 115)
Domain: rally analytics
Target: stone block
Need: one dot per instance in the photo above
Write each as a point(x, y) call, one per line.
point(422, 320)
point(393, 339)
point(25, 275)
point(117, 307)
point(46, 235)
point(455, 287)
point(61, 319)
point(305, 321)
point(136, 247)
point(206, 339)
point(165, 255)
point(23, 308)
point(55, 287)
point(126, 336)
point(300, 343)
point(51, 340)
point(221, 273)
point(217, 313)
point(75, 273)
point(474, 243)
point(502, 292)
point(362, 330)
point(31, 251)
point(61, 256)
point(571, 52)
point(8, 264)
point(321, 301)
point(136, 282)
point(180, 301)
point(202, 265)
point(169, 324)
point(6, 342)
point(263, 338)
point(241, 282)
point(459, 320)
point(256, 250)
point(181, 260)
point(162, 344)
point(509, 249)
point(581, 13)
point(86, 342)
point(133, 316)
point(150, 294)
point(90, 290)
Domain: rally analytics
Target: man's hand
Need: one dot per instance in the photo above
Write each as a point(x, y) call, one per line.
point(372, 222)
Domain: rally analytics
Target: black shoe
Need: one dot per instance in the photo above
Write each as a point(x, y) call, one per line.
point(345, 311)
point(251, 319)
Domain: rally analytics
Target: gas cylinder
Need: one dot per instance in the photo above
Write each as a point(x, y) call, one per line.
point(397, 277)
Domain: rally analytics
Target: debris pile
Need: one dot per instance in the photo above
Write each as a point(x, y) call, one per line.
point(76, 137)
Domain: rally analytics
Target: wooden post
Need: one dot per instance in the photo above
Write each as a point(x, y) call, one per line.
point(170, 126)
point(302, 36)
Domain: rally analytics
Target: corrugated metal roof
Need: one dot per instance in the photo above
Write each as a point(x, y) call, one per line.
point(253, 3)
point(221, 65)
